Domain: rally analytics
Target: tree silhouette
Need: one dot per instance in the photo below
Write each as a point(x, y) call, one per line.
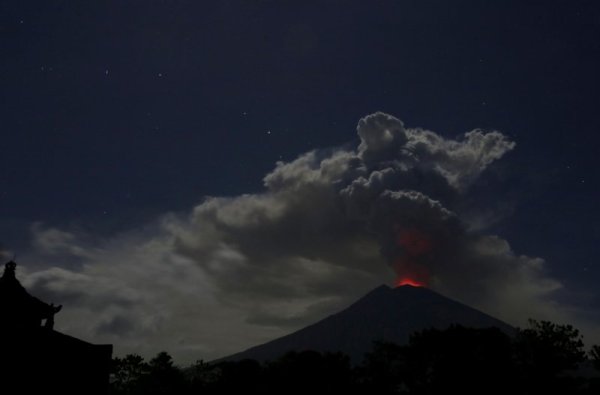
point(458, 359)
point(202, 377)
point(595, 355)
point(163, 377)
point(384, 369)
point(127, 374)
point(131, 375)
point(541, 359)
point(236, 377)
point(309, 372)
point(546, 353)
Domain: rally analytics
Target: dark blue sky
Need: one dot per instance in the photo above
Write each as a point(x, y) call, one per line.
point(115, 112)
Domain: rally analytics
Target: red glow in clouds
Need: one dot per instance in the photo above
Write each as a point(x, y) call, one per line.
point(411, 265)
point(410, 273)
point(409, 281)
point(414, 242)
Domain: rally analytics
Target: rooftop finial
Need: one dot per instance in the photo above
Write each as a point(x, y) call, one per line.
point(9, 269)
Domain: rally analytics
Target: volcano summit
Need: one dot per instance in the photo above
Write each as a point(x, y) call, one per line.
point(385, 314)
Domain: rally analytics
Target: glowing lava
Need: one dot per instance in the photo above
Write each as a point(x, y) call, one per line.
point(409, 281)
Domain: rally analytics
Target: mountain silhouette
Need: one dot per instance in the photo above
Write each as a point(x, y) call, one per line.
point(384, 314)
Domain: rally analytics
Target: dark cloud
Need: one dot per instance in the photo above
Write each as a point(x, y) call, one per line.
point(117, 325)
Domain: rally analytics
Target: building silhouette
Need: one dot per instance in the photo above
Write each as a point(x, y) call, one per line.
point(34, 357)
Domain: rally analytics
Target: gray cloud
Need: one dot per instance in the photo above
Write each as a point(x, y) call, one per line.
point(329, 226)
point(134, 291)
point(4, 254)
point(57, 242)
point(330, 220)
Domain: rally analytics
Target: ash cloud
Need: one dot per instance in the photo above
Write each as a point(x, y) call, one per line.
point(329, 221)
point(329, 226)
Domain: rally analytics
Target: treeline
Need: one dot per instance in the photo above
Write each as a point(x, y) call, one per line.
point(546, 358)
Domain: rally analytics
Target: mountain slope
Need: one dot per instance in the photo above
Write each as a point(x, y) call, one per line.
point(383, 314)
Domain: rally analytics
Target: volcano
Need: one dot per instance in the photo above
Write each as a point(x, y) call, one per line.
point(384, 314)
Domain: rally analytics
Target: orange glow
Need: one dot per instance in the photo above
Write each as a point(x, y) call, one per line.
point(409, 281)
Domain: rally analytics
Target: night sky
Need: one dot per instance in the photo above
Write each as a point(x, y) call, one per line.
point(120, 118)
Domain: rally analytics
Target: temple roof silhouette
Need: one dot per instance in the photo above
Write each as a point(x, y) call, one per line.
point(17, 307)
point(35, 358)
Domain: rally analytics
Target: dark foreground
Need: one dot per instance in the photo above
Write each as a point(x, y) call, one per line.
point(544, 359)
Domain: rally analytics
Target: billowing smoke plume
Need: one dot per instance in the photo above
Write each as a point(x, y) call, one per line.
point(330, 220)
point(329, 226)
